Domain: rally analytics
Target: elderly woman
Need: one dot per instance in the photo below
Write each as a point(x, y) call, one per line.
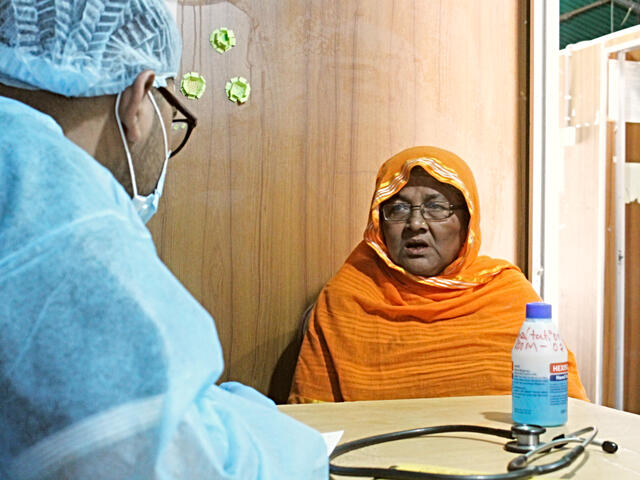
point(414, 311)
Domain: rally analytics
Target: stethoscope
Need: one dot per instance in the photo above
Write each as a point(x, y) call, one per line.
point(526, 440)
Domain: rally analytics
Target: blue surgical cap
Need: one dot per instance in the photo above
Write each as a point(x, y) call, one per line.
point(85, 48)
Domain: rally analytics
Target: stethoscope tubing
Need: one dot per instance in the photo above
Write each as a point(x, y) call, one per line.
point(519, 464)
point(416, 432)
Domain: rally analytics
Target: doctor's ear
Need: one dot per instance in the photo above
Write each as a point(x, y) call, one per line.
point(134, 113)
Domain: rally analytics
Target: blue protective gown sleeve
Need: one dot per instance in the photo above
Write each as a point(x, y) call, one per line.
point(107, 364)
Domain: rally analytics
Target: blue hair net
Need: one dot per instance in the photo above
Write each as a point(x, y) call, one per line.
point(85, 48)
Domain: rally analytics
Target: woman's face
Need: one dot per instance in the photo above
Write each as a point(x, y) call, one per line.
point(426, 247)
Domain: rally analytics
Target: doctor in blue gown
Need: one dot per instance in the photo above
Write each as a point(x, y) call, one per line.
point(107, 364)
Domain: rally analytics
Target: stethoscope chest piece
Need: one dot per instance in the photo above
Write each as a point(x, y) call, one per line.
point(527, 438)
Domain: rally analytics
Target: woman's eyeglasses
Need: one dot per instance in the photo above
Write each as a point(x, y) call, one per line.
point(434, 211)
point(182, 125)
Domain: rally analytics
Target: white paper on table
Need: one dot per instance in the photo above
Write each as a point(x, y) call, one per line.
point(331, 439)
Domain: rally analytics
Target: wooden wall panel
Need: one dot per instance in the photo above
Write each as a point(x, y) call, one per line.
point(579, 230)
point(577, 253)
point(609, 321)
point(632, 141)
point(632, 309)
point(269, 198)
point(632, 281)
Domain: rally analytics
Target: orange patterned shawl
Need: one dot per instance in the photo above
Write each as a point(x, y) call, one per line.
point(379, 332)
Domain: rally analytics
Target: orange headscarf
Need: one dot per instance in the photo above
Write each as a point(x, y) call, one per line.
point(380, 332)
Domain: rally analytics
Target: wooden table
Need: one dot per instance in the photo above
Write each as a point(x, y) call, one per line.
point(467, 451)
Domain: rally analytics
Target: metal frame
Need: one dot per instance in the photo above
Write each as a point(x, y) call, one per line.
point(545, 32)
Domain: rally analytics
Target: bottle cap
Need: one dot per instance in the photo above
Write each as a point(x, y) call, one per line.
point(538, 310)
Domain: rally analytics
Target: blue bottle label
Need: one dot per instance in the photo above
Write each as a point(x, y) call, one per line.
point(540, 398)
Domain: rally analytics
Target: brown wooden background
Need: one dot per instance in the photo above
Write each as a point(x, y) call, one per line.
point(269, 198)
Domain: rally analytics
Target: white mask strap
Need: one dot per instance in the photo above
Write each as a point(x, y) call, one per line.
point(126, 146)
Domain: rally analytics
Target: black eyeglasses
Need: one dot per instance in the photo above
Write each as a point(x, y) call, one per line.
point(181, 126)
point(430, 211)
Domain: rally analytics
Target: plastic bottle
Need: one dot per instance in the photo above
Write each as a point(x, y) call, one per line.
point(540, 371)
